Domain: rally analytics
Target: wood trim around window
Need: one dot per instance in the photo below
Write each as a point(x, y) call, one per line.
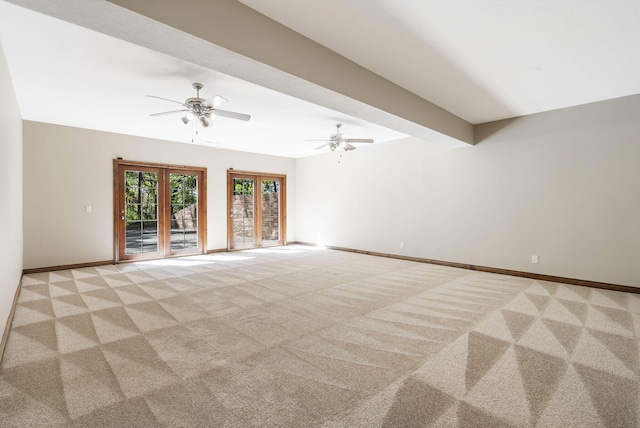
point(257, 176)
point(163, 169)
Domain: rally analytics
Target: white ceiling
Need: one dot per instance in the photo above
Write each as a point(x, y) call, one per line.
point(480, 60)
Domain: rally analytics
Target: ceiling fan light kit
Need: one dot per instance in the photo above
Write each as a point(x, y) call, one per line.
point(205, 110)
point(339, 140)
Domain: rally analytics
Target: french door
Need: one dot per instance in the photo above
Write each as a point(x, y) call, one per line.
point(256, 210)
point(160, 210)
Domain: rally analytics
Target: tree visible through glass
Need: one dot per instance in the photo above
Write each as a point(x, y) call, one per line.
point(141, 212)
point(270, 200)
point(184, 211)
point(243, 221)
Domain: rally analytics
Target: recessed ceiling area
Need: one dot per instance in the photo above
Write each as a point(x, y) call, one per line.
point(89, 64)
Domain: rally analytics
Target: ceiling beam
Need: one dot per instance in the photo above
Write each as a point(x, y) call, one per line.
point(229, 37)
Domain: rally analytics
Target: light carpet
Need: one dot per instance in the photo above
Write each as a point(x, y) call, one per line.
point(298, 336)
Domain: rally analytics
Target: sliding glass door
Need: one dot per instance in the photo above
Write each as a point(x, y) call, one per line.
point(139, 214)
point(159, 210)
point(183, 191)
point(256, 210)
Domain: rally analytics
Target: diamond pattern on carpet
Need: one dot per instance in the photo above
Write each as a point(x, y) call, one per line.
point(297, 336)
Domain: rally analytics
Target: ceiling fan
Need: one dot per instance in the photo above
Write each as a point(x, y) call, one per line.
point(204, 110)
point(339, 140)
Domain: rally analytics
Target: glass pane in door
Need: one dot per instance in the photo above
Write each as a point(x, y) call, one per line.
point(243, 211)
point(270, 200)
point(141, 212)
point(184, 211)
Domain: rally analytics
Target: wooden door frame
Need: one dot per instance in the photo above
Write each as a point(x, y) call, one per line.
point(119, 228)
point(165, 170)
point(257, 176)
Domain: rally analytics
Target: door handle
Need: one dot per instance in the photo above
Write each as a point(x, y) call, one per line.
point(121, 217)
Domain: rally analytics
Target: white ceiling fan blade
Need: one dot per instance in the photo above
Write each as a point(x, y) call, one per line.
point(167, 112)
point(317, 140)
point(319, 147)
point(166, 99)
point(359, 140)
point(215, 101)
point(232, 114)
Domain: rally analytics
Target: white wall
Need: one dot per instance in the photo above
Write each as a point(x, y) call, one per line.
point(67, 168)
point(563, 185)
point(10, 193)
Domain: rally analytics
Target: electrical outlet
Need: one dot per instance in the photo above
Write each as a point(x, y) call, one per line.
point(534, 259)
point(401, 244)
point(87, 208)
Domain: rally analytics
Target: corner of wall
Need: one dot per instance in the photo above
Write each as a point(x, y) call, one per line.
point(11, 209)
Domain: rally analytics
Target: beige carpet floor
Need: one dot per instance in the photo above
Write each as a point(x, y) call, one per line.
point(297, 336)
